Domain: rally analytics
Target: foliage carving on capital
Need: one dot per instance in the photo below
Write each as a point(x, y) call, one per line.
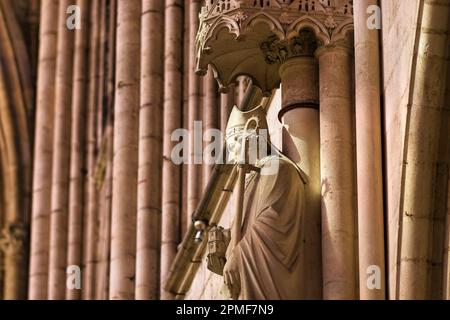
point(278, 51)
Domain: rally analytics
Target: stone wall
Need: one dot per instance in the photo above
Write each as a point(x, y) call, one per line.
point(398, 40)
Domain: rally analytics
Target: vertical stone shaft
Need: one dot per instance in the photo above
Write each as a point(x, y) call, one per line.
point(173, 47)
point(150, 152)
point(422, 153)
point(124, 202)
point(2, 213)
point(337, 173)
point(102, 72)
point(43, 152)
point(194, 168)
point(301, 142)
point(61, 157)
point(446, 245)
point(227, 101)
point(102, 277)
point(210, 121)
point(91, 205)
point(369, 155)
point(76, 187)
point(185, 118)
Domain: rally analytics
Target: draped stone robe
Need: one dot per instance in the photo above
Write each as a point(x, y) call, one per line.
point(269, 260)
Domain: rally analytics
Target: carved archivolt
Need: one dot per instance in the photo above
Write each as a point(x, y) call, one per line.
point(253, 37)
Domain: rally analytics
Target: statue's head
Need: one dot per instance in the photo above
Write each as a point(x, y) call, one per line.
point(251, 125)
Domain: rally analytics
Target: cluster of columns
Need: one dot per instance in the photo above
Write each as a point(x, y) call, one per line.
point(106, 195)
point(318, 113)
point(327, 127)
point(15, 103)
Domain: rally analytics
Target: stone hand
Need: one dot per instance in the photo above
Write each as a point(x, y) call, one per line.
point(231, 277)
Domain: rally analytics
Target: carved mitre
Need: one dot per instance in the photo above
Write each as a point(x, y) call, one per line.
point(242, 124)
point(238, 119)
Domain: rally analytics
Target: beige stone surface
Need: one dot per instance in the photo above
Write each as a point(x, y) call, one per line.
point(369, 155)
point(398, 39)
point(338, 168)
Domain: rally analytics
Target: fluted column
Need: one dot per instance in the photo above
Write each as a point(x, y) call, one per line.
point(43, 151)
point(423, 132)
point(126, 123)
point(61, 157)
point(339, 254)
point(369, 154)
point(173, 106)
point(76, 187)
point(150, 152)
point(301, 142)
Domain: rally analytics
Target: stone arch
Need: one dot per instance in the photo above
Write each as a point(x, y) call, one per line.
point(307, 22)
point(262, 17)
point(343, 31)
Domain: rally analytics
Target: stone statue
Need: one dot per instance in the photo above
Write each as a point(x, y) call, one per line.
point(261, 258)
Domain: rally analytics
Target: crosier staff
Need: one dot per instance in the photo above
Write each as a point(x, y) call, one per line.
point(243, 167)
point(230, 274)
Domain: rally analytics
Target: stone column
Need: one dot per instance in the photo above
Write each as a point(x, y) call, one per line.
point(369, 154)
point(339, 254)
point(194, 176)
point(2, 214)
point(91, 193)
point(422, 153)
point(43, 151)
point(125, 168)
point(301, 142)
point(150, 152)
point(173, 106)
point(77, 164)
point(61, 158)
point(227, 101)
point(210, 112)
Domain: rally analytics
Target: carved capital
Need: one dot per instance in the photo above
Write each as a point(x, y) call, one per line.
point(13, 240)
point(278, 51)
